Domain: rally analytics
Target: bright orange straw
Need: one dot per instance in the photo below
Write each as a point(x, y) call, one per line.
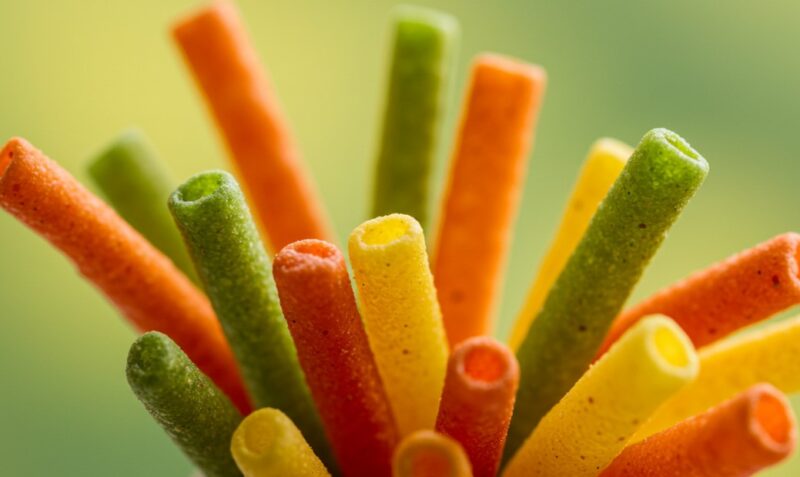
point(143, 284)
point(739, 437)
point(227, 70)
point(736, 292)
point(478, 399)
point(482, 195)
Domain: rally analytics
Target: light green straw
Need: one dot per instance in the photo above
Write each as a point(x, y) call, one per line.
point(422, 59)
point(197, 416)
point(135, 182)
point(661, 176)
point(236, 273)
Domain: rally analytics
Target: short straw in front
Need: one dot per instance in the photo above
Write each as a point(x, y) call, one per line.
point(606, 159)
point(478, 399)
point(401, 316)
point(187, 405)
point(483, 190)
point(136, 183)
point(742, 290)
point(422, 58)
point(586, 430)
point(268, 444)
point(227, 70)
point(430, 454)
point(657, 182)
point(768, 355)
point(740, 437)
point(320, 308)
point(236, 272)
point(138, 279)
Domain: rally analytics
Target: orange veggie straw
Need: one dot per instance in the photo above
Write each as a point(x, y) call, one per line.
point(225, 65)
point(429, 454)
point(478, 399)
point(320, 309)
point(143, 284)
point(481, 199)
point(739, 437)
point(739, 291)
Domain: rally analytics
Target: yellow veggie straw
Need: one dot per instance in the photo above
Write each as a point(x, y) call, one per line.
point(268, 444)
point(605, 161)
point(586, 430)
point(401, 315)
point(728, 367)
point(430, 454)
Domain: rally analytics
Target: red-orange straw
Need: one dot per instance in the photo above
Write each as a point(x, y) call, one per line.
point(227, 70)
point(738, 438)
point(739, 291)
point(320, 308)
point(478, 399)
point(482, 194)
point(143, 284)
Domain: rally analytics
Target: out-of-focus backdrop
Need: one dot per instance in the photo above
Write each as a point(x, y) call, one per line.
point(76, 73)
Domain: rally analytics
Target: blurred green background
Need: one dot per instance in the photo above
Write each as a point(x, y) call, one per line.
point(75, 73)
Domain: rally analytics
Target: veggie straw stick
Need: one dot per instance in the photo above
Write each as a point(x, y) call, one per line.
point(131, 176)
point(401, 316)
point(237, 275)
point(588, 428)
point(320, 307)
point(424, 47)
point(740, 437)
point(195, 414)
point(606, 160)
point(659, 179)
point(770, 355)
point(429, 454)
point(482, 194)
point(226, 68)
point(710, 304)
point(142, 283)
point(267, 444)
point(477, 401)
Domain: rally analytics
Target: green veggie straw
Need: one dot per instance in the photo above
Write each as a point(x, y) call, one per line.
point(136, 183)
point(197, 416)
point(659, 179)
point(236, 273)
point(424, 49)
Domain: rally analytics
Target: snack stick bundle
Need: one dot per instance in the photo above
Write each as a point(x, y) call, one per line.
point(605, 161)
point(423, 50)
point(768, 355)
point(226, 68)
point(483, 190)
point(268, 444)
point(236, 273)
point(478, 399)
point(430, 454)
point(320, 308)
point(586, 430)
point(739, 291)
point(401, 316)
point(659, 179)
point(141, 282)
point(742, 436)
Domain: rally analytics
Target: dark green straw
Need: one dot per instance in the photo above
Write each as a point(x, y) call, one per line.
point(135, 182)
point(197, 416)
point(236, 272)
point(661, 176)
point(422, 59)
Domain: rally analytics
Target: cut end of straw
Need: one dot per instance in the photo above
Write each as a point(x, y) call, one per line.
point(209, 13)
point(485, 362)
point(200, 187)
point(678, 144)
point(307, 255)
point(386, 230)
point(510, 66)
point(429, 454)
point(257, 433)
point(13, 148)
point(670, 346)
point(148, 359)
point(771, 419)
